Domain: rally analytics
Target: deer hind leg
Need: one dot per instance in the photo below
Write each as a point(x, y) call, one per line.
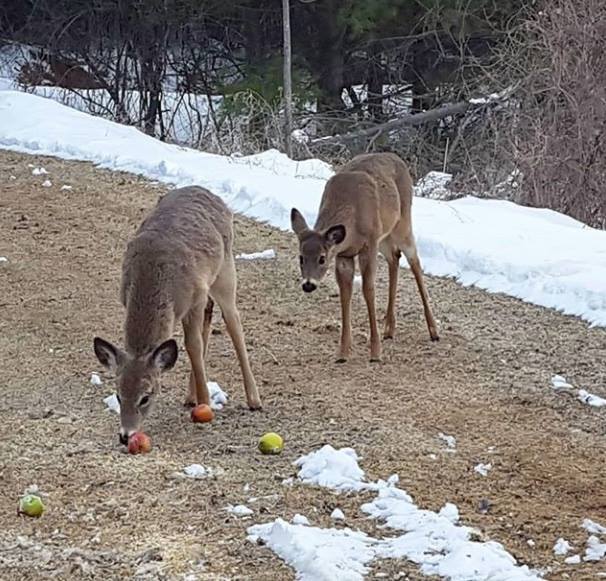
point(344, 270)
point(409, 249)
point(194, 345)
point(392, 254)
point(206, 326)
point(224, 293)
point(368, 267)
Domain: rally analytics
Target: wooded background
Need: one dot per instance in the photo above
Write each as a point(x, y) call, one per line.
point(507, 95)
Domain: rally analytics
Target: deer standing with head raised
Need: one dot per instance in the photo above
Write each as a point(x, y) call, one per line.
point(365, 209)
point(178, 264)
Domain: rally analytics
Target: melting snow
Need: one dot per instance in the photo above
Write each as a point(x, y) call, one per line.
point(561, 547)
point(239, 510)
point(591, 399)
point(450, 441)
point(593, 527)
point(95, 379)
point(197, 471)
point(111, 401)
point(299, 519)
point(39, 171)
point(482, 469)
point(574, 560)
point(434, 541)
point(47, 184)
point(559, 383)
point(595, 550)
point(218, 398)
point(337, 514)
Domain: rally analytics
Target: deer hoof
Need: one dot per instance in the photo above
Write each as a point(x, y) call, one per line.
point(341, 360)
point(257, 407)
point(189, 403)
point(435, 338)
point(375, 359)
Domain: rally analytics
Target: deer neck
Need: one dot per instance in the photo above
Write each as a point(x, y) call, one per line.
point(150, 320)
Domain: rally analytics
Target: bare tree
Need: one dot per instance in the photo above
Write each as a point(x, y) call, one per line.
point(287, 78)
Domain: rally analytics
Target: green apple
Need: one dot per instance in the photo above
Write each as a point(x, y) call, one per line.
point(31, 505)
point(271, 443)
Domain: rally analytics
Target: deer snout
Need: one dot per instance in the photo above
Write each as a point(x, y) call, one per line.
point(124, 435)
point(309, 286)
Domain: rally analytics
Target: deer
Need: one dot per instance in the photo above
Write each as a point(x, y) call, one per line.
point(176, 267)
point(365, 210)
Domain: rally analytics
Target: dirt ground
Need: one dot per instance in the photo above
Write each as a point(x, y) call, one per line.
point(111, 515)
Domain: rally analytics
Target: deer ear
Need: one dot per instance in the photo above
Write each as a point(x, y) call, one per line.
point(298, 223)
point(335, 234)
point(165, 356)
point(108, 355)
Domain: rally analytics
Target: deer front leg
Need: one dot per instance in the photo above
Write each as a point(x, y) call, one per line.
point(368, 267)
point(344, 270)
point(198, 390)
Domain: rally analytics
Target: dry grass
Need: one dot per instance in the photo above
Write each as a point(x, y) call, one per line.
point(486, 382)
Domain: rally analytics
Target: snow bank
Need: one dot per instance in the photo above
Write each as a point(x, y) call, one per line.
point(264, 255)
point(434, 541)
point(539, 256)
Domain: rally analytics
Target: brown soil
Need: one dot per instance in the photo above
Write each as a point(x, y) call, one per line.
point(109, 515)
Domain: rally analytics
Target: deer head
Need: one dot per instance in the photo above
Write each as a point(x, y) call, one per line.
point(316, 249)
point(137, 380)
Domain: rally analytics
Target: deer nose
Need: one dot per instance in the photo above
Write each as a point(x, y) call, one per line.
point(123, 438)
point(309, 287)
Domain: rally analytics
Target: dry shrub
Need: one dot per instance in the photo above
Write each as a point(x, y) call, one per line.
point(557, 60)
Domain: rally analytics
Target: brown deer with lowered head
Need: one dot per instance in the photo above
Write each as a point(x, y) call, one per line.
point(365, 209)
point(178, 263)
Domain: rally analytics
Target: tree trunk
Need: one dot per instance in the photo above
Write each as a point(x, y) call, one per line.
point(287, 78)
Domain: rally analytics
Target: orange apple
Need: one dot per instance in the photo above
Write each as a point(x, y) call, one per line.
point(202, 414)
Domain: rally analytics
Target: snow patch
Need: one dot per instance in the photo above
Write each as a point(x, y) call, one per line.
point(337, 514)
point(561, 547)
point(482, 469)
point(47, 184)
point(239, 510)
point(591, 399)
point(299, 519)
point(218, 398)
point(197, 471)
point(434, 541)
point(559, 383)
point(595, 549)
point(450, 441)
point(3, 259)
point(264, 255)
point(593, 528)
point(573, 560)
point(111, 401)
point(39, 171)
point(318, 554)
point(95, 379)
point(330, 468)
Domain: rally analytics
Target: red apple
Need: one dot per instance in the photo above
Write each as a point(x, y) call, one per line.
point(139, 443)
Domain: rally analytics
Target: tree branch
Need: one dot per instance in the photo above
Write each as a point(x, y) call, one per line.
point(409, 119)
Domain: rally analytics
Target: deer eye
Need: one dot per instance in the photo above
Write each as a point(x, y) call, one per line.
point(144, 401)
point(322, 259)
